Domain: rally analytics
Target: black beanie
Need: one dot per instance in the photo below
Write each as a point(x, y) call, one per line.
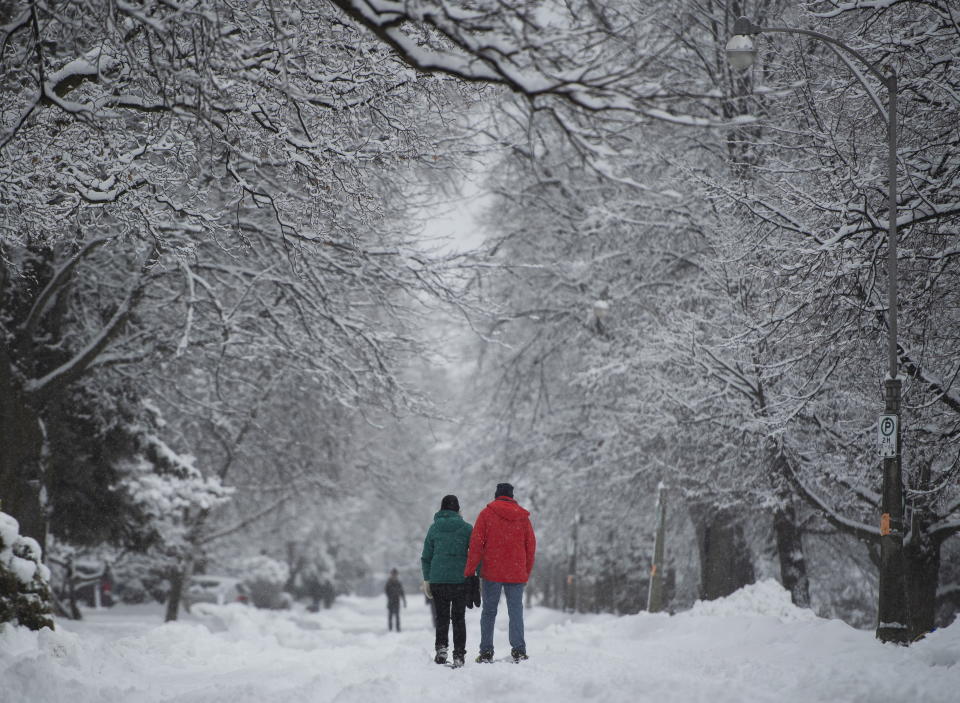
point(504, 489)
point(450, 503)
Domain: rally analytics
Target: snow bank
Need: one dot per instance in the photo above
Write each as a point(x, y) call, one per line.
point(767, 598)
point(752, 647)
point(265, 628)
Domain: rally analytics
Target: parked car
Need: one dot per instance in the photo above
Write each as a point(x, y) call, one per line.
point(92, 583)
point(264, 579)
point(264, 594)
point(216, 589)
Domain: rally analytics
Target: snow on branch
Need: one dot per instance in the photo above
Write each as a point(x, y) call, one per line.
point(913, 217)
point(940, 531)
point(82, 360)
point(479, 53)
point(932, 381)
point(57, 281)
point(227, 531)
point(856, 6)
point(855, 528)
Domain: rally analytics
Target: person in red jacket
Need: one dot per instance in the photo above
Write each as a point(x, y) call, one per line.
point(503, 545)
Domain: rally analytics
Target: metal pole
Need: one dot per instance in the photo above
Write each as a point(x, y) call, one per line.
point(892, 244)
point(655, 592)
point(892, 607)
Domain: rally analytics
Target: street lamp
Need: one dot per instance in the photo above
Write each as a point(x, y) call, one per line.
point(892, 607)
point(741, 52)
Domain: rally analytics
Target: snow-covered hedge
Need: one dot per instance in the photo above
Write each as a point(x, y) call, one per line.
point(265, 579)
point(24, 579)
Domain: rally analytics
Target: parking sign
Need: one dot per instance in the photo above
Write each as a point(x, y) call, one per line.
point(887, 436)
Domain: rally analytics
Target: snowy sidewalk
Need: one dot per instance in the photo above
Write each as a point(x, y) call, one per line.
point(750, 648)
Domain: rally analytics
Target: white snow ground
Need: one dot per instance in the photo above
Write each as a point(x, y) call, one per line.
point(749, 648)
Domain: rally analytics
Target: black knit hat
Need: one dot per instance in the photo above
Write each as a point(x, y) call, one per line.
point(504, 489)
point(450, 503)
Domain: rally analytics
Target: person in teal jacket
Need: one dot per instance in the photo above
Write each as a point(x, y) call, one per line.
point(442, 561)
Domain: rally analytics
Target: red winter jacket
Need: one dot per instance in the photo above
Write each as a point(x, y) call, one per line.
point(502, 542)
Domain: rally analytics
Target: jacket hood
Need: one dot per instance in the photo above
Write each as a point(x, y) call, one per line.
point(447, 520)
point(508, 509)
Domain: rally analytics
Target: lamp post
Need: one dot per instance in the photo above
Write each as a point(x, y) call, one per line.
point(892, 606)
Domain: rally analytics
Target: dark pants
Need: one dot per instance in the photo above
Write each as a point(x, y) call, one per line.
point(393, 611)
point(450, 600)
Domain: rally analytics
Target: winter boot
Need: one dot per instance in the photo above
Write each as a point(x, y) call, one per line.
point(441, 657)
point(485, 657)
point(518, 655)
point(457, 660)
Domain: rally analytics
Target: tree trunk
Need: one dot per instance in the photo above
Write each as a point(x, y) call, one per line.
point(922, 558)
point(725, 560)
point(793, 565)
point(177, 578)
point(21, 478)
point(72, 590)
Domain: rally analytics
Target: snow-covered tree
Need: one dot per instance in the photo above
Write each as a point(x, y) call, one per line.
point(170, 492)
point(221, 186)
point(758, 353)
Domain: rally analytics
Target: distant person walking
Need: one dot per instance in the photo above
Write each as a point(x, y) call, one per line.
point(313, 587)
point(394, 591)
point(442, 561)
point(504, 546)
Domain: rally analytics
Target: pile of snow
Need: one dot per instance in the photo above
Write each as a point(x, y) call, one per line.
point(767, 598)
point(262, 627)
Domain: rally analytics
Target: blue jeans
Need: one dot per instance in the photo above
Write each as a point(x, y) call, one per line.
point(490, 596)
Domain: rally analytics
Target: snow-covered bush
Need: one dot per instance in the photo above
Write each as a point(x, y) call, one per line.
point(265, 578)
point(24, 579)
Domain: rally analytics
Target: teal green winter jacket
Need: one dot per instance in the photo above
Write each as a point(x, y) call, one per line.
point(445, 548)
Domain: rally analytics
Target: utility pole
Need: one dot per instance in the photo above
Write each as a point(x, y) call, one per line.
point(655, 592)
point(892, 608)
point(571, 599)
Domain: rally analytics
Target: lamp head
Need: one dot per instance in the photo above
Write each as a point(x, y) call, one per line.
point(741, 52)
point(601, 308)
point(744, 25)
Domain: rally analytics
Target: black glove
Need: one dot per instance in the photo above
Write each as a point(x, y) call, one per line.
point(473, 591)
point(468, 590)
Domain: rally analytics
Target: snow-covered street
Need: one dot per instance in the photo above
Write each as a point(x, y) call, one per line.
point(752, 647)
